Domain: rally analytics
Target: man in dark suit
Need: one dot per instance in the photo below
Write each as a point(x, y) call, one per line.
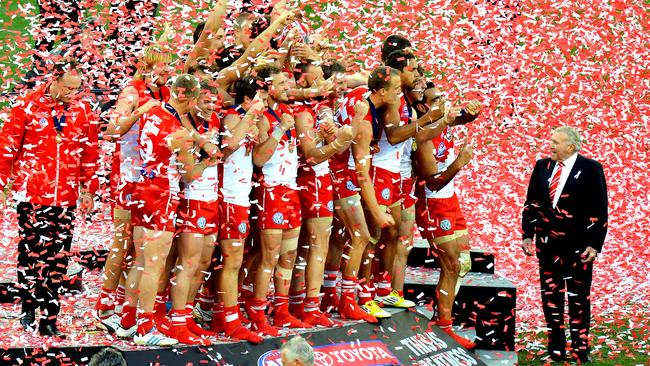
point(566, 213)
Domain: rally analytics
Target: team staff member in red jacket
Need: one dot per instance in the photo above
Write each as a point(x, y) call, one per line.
point(49, 148)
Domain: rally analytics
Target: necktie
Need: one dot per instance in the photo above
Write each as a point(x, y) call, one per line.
point(556, 180)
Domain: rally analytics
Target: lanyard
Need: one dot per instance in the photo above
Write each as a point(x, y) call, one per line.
point(376, 128)
point(239, 109)
point(272, 112)
point(206, 126)
point(408, 106)
point(173, 111)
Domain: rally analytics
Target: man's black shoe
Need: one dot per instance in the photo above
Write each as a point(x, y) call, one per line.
point(50, 330)
point(556, 356)
point(28, 322)
point(581, 357)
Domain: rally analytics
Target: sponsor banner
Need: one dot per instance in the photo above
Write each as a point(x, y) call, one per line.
point(407, 338)
point(366, 353)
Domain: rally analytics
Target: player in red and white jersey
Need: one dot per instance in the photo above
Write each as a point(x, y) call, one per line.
point(239, 136)
point(166, 155)
point(319, 140)
point(147, 90)
point(389, 137)
point(276, 155)
point(361, 109)
point(438, 214)
point(198, 218)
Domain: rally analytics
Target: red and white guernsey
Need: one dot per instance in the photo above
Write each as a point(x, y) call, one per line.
point(341, 162)
point(206, 187)
point(443, 150)
point(406, 117)
point(282, 167)
point(126, 159)
point(388, 156)
point(237, 171)
point(320, 169)
point(158, 162)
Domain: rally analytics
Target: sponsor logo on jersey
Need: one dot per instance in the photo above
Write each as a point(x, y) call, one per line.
point(201, 222)
point(128, 197)
point(385, 193)
point(42, 122)
point(442, 148)
point(242, 227)
point(350, 186)
point(445, 225)
point(278, 218)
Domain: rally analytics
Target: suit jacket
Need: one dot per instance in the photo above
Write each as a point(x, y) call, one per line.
point(580, 218)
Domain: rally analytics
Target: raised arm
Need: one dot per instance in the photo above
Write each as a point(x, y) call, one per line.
point(234, 72)
point(212, 25)
point(427, 167)
point(396, 133)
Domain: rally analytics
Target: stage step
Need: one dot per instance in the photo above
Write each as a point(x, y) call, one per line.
point(406, 338)
point(485, 302)
point(421, 256)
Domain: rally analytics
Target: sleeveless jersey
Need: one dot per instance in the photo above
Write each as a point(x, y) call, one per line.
point(320, 169)
point(126, 160)
point(206, 187)
point(443, 150)
point(282, 167)
point(237, 170)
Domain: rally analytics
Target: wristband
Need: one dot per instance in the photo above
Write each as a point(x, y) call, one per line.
point(277, 133)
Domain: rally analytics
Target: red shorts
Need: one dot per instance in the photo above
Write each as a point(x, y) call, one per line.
point(407, 193)
point(387, 186)
point(439, 217)
point(345, 184)
point(234, 221)
point(121, 194)
point(198, 217)
point(156, 208)
point(316, 196)
point(279, 208)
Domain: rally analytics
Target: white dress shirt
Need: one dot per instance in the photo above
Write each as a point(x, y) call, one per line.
point(566, 170)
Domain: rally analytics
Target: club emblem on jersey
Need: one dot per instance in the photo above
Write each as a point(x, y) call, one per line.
point(350, 186)
point(385, 193)
point(242, 227)
point(330, 206)
point(441, 150)
point(201, 222)
point(448, 135)
point(43, 122)
point(445, 225)
point(278, 218)
point(128, 197)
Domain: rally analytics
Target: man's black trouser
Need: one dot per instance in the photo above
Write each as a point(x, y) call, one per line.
point(43, 251)
point(562, 273)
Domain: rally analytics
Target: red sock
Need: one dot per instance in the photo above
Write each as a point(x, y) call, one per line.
point(281, 303)
point(128, 316)
point(191, 324)
point(348, 285)
point(145, 323)
point(297, 303)
point(105, 301)
point(366, 292)
point(119, 295)
point(400, 293)
point(160, 308)
point(311, 304)
point(384, 287)
point(217, 323)
point(204, 300)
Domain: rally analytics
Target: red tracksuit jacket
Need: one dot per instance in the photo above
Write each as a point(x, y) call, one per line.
point(48, 168)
